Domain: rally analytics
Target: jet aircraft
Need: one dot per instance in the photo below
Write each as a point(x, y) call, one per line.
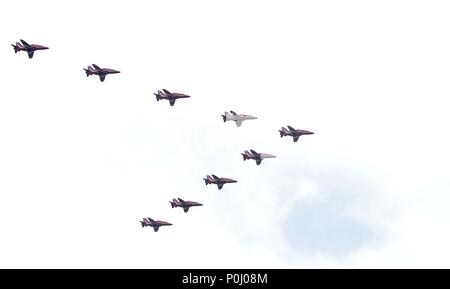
point(295, 133)
point(101, 72)
point(171, 97)
point(149, 222)
point(30, 49)
point(184, 204)
point(213, 179)
point(238, 118)
point(258, 157)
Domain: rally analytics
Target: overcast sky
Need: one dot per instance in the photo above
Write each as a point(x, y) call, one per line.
point(81, 162)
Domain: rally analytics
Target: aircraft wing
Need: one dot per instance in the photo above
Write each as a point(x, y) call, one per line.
point(172, 102)
point(291, 128)
point(215, 177)
point(239, 122)
point(220, 186)
point(296, 138)
point(179, 199)
point(185, 209)
point(25, 43)
point(232, 112)
point(102, 77)
point(258, 161)
point(30, 54)
point(97, 67)
point(255, 153)
point(166, 91)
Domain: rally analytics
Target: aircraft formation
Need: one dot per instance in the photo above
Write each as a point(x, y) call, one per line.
point(164, 94)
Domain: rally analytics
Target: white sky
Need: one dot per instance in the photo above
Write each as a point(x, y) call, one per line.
point(82, 161)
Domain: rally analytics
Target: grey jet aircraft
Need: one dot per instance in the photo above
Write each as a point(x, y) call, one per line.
point(238, 118)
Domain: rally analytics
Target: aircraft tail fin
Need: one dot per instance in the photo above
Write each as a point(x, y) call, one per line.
point(245, 155)
point(226, 116)
point(173, 203)
point(207, 180)
point(88, 71)
point(158, 95)
point(283, 132)
point(16, 47)
point(142, 224)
